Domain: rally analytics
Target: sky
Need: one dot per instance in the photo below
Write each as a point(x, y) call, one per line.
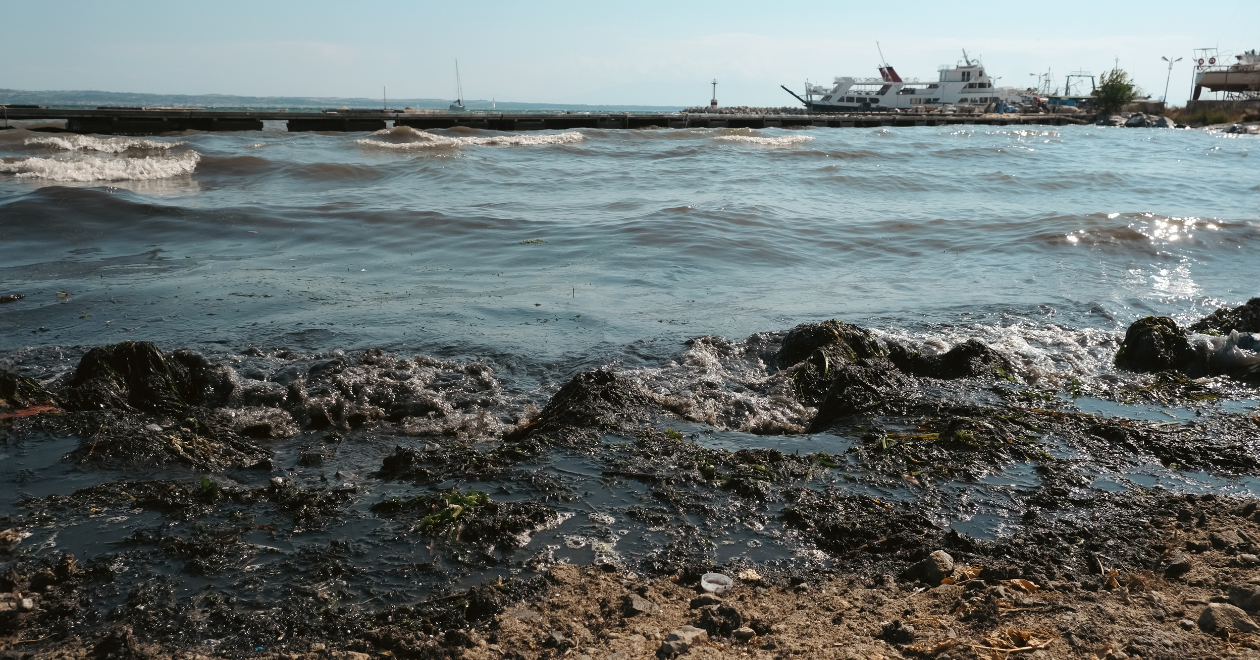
point(617, 53)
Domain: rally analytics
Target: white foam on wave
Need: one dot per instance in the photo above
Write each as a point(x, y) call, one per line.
point(414, 140)
point(1044, 355)
point(90, 168)
point(782, 141)
point(103, 145)
point(728, 385)
point(732, 384)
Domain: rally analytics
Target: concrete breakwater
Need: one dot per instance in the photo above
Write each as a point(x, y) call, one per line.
point(142, 121)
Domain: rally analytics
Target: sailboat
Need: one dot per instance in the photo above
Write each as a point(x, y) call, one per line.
point(458, 105)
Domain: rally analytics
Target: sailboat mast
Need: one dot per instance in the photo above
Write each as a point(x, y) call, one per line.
point(459, 86)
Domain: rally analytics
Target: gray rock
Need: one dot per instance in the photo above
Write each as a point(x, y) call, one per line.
point(706, 599)
point(1110, 120)
point(1224, 539)
point(1178, 565)
point(677, 642)
point(1223, 617)
point(1164, 122)
point(1186, 624)
point(636, 604)
point(1138, 120)
point(744, 634)
point(1245, 596)
point(1248, 559)
point(938, 566)
point(557, 640)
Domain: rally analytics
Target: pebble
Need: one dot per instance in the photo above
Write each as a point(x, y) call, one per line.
point(636, 604)
point(744, 634)
point(1186, 624)
point(26, 604)
point(1178, 565)
point(706, 599)
point(680, 640)
point(153, 427)
point(1225, 617)
point(277, 481)
point(749, 575)
point(936, 567)
point(1224, 539)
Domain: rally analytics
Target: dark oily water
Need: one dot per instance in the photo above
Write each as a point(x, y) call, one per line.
point(379, 405)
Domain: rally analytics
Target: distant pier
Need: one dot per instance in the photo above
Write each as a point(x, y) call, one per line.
point(153, 121)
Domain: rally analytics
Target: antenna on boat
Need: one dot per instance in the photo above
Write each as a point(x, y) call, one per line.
point(881, 55)
point(965, 58)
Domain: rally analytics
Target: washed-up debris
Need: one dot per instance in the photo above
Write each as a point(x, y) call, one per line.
point(716, 583)
point(12, 297)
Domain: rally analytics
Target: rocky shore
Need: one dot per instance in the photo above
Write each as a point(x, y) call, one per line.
point(254, 473)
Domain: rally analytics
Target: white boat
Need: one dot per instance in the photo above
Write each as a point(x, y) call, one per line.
point(1241, 78)
point(966, 84)
point(458, 105)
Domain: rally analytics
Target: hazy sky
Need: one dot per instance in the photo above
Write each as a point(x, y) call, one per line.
point(643, 53)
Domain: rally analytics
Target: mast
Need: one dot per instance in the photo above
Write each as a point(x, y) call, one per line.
point(459, 86)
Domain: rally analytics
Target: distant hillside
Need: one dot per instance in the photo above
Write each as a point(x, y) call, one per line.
point(94, 98)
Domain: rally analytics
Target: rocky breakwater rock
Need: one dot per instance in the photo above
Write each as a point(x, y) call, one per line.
point(1135, 120)
point(1245, 128)
point(591, 403)
point(1140, 120)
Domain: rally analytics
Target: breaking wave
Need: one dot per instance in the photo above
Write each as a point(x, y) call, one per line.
point(417, 140)
point(782, 141)
point(1044, 355)
point(103, 145)
point(103, 169)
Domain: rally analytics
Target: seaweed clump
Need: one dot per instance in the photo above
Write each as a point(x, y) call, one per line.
point(1154, 343)
point(591, 403)
point(1244, 318)
point(471, 518)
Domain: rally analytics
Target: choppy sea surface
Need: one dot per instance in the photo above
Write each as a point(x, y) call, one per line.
point(583, 245)
point(545, 254)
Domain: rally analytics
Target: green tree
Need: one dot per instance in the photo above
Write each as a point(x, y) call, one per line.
point(1115, 90)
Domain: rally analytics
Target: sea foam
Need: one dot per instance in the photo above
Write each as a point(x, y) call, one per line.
point(782, 141)
point(103, 145)
point(418, 140)
point(90, 168)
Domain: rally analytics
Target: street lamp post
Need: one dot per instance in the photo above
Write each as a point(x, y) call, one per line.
point(1170, 66)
